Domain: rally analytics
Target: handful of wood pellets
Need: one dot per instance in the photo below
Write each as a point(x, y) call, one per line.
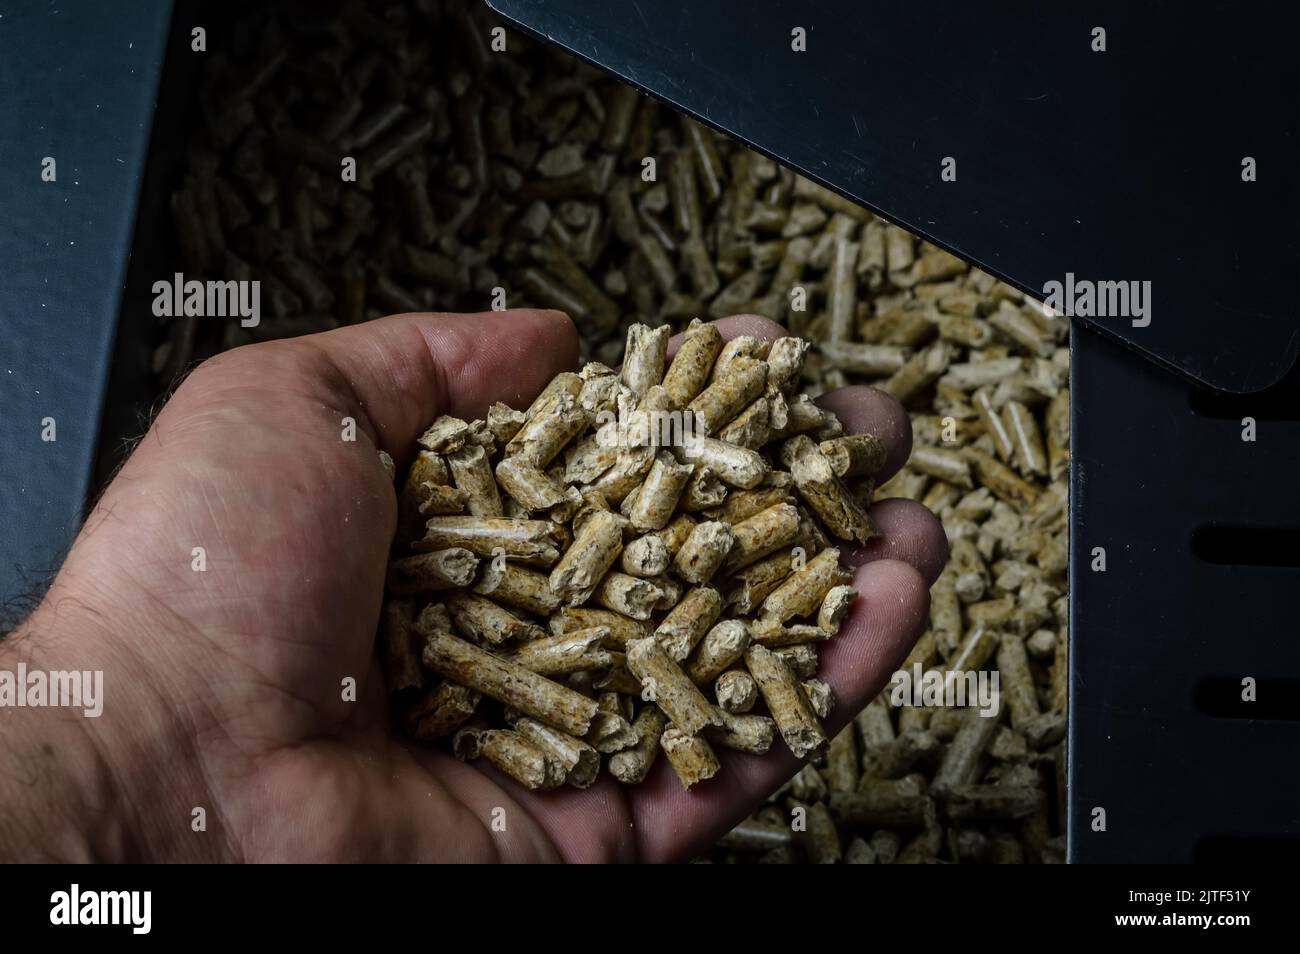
point(635, 563)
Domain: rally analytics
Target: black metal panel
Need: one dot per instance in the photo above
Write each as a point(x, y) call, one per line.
point(1115, 165)
point(77, 83)
point(1146, 634)
point(1122, 165)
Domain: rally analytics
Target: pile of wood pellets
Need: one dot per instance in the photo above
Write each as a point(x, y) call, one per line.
point(524, 170)
point(709, 587)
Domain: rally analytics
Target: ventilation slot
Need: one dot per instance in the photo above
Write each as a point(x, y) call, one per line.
point(1247, 546)
point(1220, 698)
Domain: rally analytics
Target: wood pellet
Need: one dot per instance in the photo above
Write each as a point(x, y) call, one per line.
point(521, 171)
point(581, 632)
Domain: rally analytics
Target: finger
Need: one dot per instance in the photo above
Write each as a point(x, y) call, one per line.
point(867, 410)
point(909, 533)
point(405, 370)
point(890, 614)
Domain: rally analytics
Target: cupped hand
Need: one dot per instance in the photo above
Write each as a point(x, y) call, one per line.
point(229, 583)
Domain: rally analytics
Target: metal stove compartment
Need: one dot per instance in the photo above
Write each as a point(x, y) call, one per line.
point(1104, 171)
point(1177, 784)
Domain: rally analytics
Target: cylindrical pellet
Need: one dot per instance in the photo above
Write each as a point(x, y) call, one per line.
point(510, 683)
point(786, 701)
point(738, 466)
point(518, 586)
point(429, 572)
point(802, 594)
point(669, 688)
point(594, 550)
point(761, 534)
point(693, 363)
point(485, 622)
point(632, 765)
point(824, 493)
point(644, 357)
point(736, 691)
point(580, 761)
point(743, 733)
point(728, 394)
point(686, 624)
point(578, 651)
point(722, 646)
point(534, 541)
point(690, 756)
point(470, 471)
point(645, 556)
point(629, 595)
point(703, 552)
point(524, 762)
point(658, 496)
point(854, 455)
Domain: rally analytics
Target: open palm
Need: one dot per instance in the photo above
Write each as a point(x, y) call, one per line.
point(234, 573)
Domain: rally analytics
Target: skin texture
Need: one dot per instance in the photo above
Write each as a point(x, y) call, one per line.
point(223, 688)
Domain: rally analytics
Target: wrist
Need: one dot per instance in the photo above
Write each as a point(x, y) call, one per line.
point(97, 765)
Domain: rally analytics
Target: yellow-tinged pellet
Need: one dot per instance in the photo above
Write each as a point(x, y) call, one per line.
point(657, 498)
point(728, 395)
point(530, 487)
point(802, 594)
point(473, 476)
point(549, 430)
point(690, 369)
point(595, 548)
point(690, 756)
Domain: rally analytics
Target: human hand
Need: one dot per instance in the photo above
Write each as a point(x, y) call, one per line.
point(224, 687)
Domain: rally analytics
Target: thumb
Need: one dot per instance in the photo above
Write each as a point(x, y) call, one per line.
point(404, 370)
